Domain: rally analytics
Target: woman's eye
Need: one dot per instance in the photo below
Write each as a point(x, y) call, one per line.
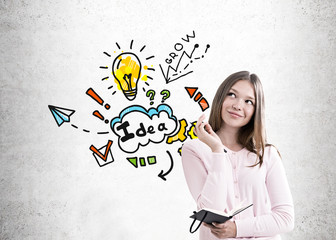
point(231, 94)
point(249, 102)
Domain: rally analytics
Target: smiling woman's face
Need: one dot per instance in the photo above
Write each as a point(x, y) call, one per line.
point(238, 106)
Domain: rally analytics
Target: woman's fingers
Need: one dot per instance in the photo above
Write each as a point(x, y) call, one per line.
point(208, 128)
point(199, 125)
point(219, 225)
point(209, 225)
point(200, 120)
point(205, 133)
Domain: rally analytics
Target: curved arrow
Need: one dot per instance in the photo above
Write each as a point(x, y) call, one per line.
point(161, 174)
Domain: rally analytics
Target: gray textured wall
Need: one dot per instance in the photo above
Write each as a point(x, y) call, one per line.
point(51, 187)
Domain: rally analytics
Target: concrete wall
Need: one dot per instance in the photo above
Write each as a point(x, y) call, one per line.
point(51, 187)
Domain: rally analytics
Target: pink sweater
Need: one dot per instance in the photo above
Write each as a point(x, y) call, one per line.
point(222, 180)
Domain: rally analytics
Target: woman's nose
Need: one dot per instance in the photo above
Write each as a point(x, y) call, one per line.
point(237, 105)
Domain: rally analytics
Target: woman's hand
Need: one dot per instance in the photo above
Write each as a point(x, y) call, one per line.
point(223, 230)
point(205, 134)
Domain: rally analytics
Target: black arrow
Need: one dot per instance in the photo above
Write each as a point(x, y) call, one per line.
point(161, 174)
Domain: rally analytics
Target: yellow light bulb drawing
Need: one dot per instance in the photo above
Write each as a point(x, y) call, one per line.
point(126, 69)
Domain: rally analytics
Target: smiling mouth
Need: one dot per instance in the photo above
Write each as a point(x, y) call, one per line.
point(235, 114)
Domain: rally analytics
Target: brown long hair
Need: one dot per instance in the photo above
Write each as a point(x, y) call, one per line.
point(252, 136)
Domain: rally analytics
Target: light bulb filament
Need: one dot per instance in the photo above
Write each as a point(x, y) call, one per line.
point(127, 78)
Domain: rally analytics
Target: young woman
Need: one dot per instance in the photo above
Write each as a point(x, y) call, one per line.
point(231, 163)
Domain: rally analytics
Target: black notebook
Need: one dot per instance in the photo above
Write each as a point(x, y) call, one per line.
point(209, 216)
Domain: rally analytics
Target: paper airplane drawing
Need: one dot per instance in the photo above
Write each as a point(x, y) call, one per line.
point(61, 115)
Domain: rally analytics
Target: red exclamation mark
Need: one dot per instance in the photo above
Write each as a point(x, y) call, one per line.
point(99, 100)
point(96, 97)
point(99, 115)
